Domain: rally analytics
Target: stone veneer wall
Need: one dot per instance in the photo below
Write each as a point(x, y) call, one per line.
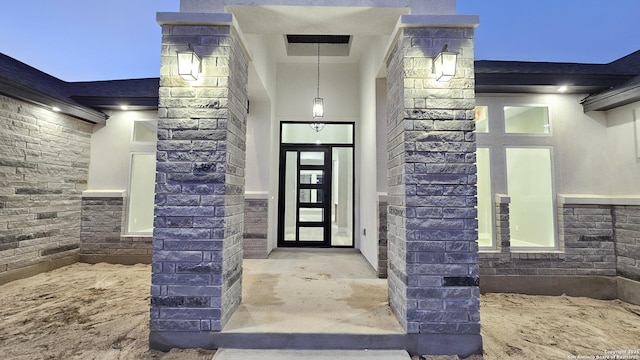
point(382, 240)
point(586, 236)
point(199, 212)
point(44, 161)
point(256, 228)
point(432, 226)
point(102, 237)
point(627, 235)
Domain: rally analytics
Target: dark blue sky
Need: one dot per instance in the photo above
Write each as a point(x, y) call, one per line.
point(79, 40)
point(595, 31)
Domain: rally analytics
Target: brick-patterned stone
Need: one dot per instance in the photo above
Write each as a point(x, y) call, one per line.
point(627, 234)
point(255, 228)
point(199, 212)
point(382, 239)
point(44, 160)
point(586, 241)
point(102, 230)
point(432, 226)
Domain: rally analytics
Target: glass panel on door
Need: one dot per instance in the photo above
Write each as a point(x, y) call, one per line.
point(291, 185)
point(306, 197)
point(342, 197)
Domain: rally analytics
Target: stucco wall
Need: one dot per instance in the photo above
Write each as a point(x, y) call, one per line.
point(258, 145)
point(621, 155)
point(367, 142)
point(296, 88)
point(586, 146)
point(111, 147)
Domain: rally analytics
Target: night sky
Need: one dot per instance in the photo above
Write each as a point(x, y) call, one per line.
point(79, 40)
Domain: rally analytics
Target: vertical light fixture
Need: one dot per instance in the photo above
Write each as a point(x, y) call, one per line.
point(318, 103)
point(189, 64)
point(444, 65)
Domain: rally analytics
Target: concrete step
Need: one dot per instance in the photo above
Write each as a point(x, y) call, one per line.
point(243, 354)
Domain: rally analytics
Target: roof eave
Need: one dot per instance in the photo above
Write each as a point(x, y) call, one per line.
point(18, 91)
point(111, 103)
point(612, 99)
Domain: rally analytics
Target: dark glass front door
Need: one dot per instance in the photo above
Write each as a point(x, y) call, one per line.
point(305, 196)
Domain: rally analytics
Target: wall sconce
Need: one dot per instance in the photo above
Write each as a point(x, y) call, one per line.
point(444, 65)
point(189, 64)
point(318, 102)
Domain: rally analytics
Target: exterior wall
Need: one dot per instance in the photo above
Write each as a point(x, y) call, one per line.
point(255, 228)
point(382, 239)
point(587, 243)
point(627, 234)
point(101, 234)
point(44, 160)
point(102, 238)
point(596, 240)
point(432, 249)
point(111, 148)
point(199, 212)
point(606, 144)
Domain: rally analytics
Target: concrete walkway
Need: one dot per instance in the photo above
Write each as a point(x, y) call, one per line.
point(313, 292)
point(237, 354)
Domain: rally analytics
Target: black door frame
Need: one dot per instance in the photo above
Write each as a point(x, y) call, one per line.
point(325, 186)
point(327, 193)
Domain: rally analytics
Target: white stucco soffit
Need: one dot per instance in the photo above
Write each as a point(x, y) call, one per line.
point(416, 6)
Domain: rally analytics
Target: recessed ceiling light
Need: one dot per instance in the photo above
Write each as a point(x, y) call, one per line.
point(124, 107)
point(55, 108)
point(562, 89)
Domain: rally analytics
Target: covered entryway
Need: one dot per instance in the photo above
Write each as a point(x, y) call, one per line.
point(316, 186)
point(222, 137)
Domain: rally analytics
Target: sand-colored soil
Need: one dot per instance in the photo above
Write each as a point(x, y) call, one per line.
point(101, 312)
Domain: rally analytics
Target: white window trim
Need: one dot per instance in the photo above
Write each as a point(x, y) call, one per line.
point(126, 231)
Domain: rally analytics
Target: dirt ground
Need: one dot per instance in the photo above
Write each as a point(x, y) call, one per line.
point(101, 312)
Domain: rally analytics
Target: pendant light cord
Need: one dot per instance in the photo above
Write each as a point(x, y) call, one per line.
point(318, 89)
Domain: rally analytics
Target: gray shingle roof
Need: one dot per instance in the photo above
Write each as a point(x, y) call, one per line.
point(610, 85)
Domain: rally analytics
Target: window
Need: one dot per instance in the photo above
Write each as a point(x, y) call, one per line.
point(485, 196)
point(141, 193)
point(482, 119)
point(526, 120)
point(145, 131)
point(531, 211)
point(514, 157)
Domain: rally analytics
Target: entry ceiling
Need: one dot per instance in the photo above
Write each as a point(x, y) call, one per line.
point(278, 21)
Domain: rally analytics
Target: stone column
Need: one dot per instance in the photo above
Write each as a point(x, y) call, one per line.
point(199, 204)
point(432, 225)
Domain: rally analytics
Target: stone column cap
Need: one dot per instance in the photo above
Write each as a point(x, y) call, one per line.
point(188, 18)
point(209, 19)
point(595, 199)
point(452, 21)
point(104, 194)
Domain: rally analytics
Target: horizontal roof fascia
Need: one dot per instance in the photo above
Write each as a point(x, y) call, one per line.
point(18, 91)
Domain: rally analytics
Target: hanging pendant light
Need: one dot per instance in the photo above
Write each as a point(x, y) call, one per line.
point(318, 103)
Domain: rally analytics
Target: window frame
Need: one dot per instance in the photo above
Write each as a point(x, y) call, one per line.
point(498, 140)
point(127, 230)
point(494, 245)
